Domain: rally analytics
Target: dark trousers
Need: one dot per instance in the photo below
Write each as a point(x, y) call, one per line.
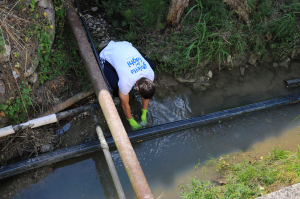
point(112, 75)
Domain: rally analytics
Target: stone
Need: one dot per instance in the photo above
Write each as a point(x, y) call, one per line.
point(34, 77)
point(285, 63)
point(202, 86)
point(2, 2)
point(2, 92)
point(33, 67)
point(16, 74)
point(46, 148)
point(229, 58)
point(288, 192)
point(293, 55)
point(88, 16)
point(275, 65)
point(102, 45)
point(252, 60)
point(2, 88)
point(45, 3)
point(242, 70)
point(94, 9)
point(181, 80)
point(210, 74)
point(6, 56)
point(116, 101)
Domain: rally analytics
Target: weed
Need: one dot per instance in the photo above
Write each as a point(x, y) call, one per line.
point(15, 107)
point(248, 179)
point(32, 5)
point(2, 43)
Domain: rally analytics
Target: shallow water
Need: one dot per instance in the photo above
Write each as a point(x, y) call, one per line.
point(169, 160)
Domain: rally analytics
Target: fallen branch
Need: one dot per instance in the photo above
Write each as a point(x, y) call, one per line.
point(69, 102)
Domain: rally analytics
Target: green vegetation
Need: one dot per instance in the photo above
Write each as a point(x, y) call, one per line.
point(15, 107)
point(211, 32)
point(2, 43)
point(62, 58)
point(248, 179)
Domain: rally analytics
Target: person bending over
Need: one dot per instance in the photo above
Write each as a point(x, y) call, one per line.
point(125, 67)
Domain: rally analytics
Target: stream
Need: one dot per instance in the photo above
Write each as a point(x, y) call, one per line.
point(169, 160)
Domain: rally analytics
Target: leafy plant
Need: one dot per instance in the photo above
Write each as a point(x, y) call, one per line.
point(32, 5)
point(17, 108)
point(2, 43)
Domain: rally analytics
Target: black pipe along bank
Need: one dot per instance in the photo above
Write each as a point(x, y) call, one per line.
point(143, 134)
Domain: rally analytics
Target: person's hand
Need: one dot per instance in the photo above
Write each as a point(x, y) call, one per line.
point(143, 117)
point(135, 126)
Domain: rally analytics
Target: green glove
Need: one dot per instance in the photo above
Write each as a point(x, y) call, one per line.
point(143, 117)
point(134, 124)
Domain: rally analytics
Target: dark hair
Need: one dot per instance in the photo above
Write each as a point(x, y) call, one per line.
point(146, 87)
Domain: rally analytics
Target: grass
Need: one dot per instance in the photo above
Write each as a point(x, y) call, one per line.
point(211, 32)
point(248, 179)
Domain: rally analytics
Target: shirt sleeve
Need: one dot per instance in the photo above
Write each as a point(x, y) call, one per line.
point(124, 87)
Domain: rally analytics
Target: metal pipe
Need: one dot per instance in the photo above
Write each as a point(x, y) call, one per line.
point(49, 119)
point(127, 154)
point(144, 134)
point(107, 155)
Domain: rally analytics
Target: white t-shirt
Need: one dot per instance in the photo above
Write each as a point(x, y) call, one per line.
point(128, 62)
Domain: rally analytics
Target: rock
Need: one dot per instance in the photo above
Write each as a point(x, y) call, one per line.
point(269, 60)
point(102, 45)
point(242, 70)
point(94, 9)
point(116, 101)
point(45, 4)
point(293, 55)
point(16, 74)
point(252, 60)
point(275, 65)
point(88, 16)
point(2, 2)
point(210, 74)
point(33, 67)
point(285, 63)
point(34, 77)
point(181, 80)
point(229, 59)
point(2, 92)
point(46, 148)
point(202, 86)
point(5, 57)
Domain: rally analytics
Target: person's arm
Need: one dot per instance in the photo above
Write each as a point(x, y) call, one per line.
point(127, 111)
point(125, 105)
point(145, 103)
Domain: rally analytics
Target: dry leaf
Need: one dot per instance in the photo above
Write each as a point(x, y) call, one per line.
point(54, 87)
point(2, 114)
point(45, 14)
point(1, 84)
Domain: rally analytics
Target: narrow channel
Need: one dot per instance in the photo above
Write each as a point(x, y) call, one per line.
point(169, 160)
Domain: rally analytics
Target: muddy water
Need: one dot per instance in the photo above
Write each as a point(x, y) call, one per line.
point(169, 160)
